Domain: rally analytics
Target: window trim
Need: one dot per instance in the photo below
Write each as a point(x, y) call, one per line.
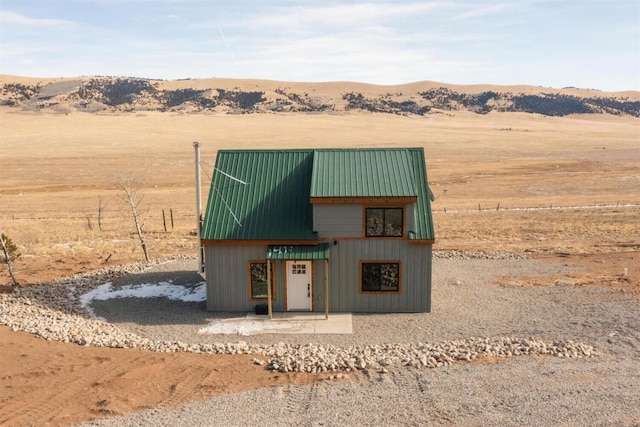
point(273, 280)
point(398, 262)
point(364, 222)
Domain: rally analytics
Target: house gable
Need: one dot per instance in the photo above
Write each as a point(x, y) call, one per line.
point(347, 182)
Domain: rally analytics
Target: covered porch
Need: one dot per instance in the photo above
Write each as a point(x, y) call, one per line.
point(302, 253)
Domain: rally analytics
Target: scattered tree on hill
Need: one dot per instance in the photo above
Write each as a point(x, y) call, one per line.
point(551, 104)
point(9, 254)
point(132, 185)
point(239, 99)
point(173, 98)
point(115, 92)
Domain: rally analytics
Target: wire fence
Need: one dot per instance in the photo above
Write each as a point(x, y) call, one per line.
point(166, 220)
point(499, 208)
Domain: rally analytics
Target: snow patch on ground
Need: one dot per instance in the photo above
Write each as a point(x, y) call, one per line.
point(168, 290)
point(197, 293)
point(244, 326)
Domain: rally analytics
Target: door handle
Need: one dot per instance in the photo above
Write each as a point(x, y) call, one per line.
point(308, 290)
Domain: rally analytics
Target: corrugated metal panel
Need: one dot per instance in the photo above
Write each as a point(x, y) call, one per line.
point(298, 252)
point(228, 277)
point(363, 173)
point(344, 276)
point(260, 195)
point(337, 220)
point(265, 194)
point(423, 221)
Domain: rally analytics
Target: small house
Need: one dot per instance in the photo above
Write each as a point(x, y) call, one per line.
point(319, 230)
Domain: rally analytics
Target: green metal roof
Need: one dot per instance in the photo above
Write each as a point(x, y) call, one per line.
point(260, 195)
point(298, 252)
point(266, 194)
point(423, 221)
point(376, 172)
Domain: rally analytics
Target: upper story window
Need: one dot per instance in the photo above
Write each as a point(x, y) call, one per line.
point(384, 222)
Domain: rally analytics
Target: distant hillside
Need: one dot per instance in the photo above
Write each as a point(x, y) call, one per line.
point(109, 94)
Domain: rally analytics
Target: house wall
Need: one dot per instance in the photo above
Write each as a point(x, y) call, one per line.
point(228, 286)
point(336, 221)
point(344, 276)
point(227, 274)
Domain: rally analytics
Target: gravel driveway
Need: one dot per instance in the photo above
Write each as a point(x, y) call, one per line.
point(603, 390)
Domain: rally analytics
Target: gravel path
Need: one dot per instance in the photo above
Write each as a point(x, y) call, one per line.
point(528, 390)
point(518, 392)
point(465, 304)
point(604, 390)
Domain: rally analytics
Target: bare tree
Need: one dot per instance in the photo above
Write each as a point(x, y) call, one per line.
point(101, 208)
point(132, 186)
point(9, 254)
point(89, 223)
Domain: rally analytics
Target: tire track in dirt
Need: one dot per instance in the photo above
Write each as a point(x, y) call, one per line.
point(44, 403)
point(413, 385)
point(300, 398)
point(184, 387)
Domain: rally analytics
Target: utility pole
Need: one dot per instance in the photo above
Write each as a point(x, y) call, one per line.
point(196, 146)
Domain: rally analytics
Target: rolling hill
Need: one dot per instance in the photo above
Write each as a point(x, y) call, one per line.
point(236, 96)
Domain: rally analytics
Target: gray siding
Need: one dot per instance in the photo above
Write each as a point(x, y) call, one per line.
point(334, 221)
point(344, 276)
point(228, 278)
point(228, 288)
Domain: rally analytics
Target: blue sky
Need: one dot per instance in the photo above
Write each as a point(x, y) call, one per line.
point(582, 43)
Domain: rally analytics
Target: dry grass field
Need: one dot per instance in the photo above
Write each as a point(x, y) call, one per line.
point(509, 181)
point(548, 186)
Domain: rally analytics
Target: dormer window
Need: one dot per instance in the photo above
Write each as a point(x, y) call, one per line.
point(384, 222)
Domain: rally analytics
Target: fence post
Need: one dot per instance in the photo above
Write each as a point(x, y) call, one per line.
point(171, 214)
point(164, 222)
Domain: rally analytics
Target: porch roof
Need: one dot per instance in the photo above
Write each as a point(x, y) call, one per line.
point(298, 252)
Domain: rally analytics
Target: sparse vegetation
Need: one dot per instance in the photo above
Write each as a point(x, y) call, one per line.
point(357, 101)
point(173, 98)
point(8, 255)
point(115, 92)
point(238, 99)
point(550, 104)
point(133, 94)
point(298, 103)
point(47, 192)
point(17, 92)
point(616, 106)
point(446, 99)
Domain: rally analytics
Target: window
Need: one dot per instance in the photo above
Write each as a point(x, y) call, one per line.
point(258, 280)
point(380, 276)
point(383, 222)
point(299, 269)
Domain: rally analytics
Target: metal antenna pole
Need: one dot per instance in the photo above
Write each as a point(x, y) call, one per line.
point(196, 146)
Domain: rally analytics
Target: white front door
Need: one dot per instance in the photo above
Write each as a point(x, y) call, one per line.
point(299, 286)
